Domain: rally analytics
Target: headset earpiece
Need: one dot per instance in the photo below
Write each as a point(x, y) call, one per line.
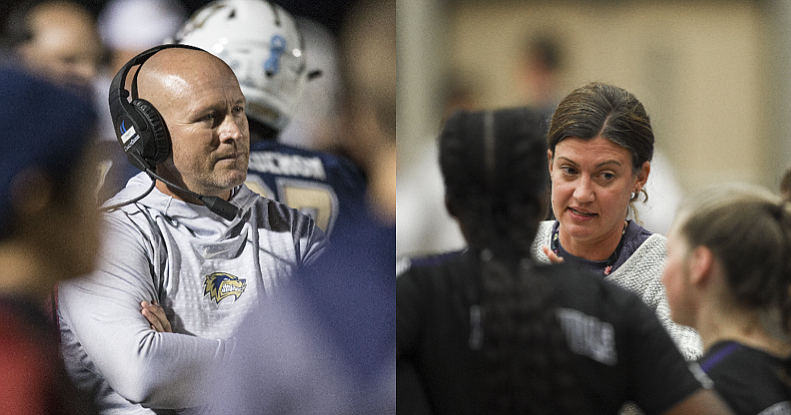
point(158, 148)
point(140, 128)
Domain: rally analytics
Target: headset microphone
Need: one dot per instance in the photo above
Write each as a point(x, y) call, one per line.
point(213, 203)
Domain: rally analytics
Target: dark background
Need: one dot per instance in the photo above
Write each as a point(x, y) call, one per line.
point(330, 13)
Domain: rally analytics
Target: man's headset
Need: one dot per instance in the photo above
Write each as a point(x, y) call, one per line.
point(142, 132)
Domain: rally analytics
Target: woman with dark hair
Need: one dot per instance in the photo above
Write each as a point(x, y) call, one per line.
point(491, 331)
point(728, 275)
point(600, 148)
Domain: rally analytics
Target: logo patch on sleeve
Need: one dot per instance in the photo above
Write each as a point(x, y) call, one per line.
point(220, 285)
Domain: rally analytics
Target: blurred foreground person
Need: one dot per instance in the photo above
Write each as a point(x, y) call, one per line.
point(57, 39)
point(325, 344)
point(728, 275)
point(492, 331)
point(48, 233)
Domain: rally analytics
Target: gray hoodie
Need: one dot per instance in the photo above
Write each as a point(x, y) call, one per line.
point(207, 273)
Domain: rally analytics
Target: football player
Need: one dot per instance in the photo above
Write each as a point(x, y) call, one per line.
point(263, 45)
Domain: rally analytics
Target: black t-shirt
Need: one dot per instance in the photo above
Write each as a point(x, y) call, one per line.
point(622, 352)
point(748, 379)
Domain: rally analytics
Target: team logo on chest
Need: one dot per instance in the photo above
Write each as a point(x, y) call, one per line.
point(220, 285)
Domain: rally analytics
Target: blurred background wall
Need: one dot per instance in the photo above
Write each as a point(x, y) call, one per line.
point(713, 75)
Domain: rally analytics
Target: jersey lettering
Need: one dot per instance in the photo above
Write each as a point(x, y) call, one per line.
point(588, 336)
point(287, 165)
point(257, 185)
point(314, 199)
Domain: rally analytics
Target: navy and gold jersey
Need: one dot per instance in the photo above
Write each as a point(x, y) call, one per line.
point(320, 185)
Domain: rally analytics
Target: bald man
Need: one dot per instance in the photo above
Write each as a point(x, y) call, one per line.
point(57, 39)
point(203, 107)
point(206, 272)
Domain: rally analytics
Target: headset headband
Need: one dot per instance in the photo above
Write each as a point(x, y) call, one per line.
point(132, 129)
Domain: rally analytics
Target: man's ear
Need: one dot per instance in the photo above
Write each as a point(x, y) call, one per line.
point(701, 264)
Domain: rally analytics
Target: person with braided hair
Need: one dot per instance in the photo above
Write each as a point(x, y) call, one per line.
point(728, 275)
point(600, 148)
point(491, 330)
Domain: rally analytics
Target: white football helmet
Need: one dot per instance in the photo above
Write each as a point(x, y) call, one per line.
point(260, 41)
